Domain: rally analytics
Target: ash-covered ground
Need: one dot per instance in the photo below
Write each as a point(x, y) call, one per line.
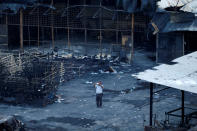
point(125, 102)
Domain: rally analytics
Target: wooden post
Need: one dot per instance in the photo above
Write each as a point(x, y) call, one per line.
point(132, 36)
point(85, 28)
point(38, 27)
point(52, 28)
point(68, 29)
point(21, 29)
point(7, 27)
point(100, 34)
point(85, 25)
point(117, 29)
point(29, 36)
point(86, 36)
point(157, 46)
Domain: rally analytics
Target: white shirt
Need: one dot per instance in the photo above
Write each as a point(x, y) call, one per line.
point(99, 89)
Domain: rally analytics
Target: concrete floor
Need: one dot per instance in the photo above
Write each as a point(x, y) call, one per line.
point(125, 103)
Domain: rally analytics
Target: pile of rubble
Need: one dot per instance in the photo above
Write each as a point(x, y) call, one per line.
point(10, 123)
point(32, 77)
point(28, 79)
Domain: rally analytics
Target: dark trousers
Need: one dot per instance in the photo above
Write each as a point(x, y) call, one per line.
point(99, 100)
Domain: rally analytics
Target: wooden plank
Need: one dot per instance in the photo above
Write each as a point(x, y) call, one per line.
point(21, 29)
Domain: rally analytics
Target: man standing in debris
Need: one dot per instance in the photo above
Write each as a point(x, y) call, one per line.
point(99, 93)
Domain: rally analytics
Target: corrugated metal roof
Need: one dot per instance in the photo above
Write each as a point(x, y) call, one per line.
point(186, 26)
point(185, 5)
point(175, 21)
point(160, 20)
point(172, 3)
point(190, 7)
point(182, 75)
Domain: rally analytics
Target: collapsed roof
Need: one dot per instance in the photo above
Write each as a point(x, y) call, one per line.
point(175, 15)
point(180, 5)
point(164, 22)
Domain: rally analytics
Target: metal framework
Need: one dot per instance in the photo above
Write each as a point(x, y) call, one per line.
point(79, 18)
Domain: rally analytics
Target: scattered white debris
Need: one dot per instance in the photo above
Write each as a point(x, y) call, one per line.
point(59, 100)
point(103, 72)
point(66, 55)
point(61, 80)
point(174, 95)
point(121, 72)
point(89, 82)
point(125, 64)
point(123, 92)
point(94, 73)
point(156, 96)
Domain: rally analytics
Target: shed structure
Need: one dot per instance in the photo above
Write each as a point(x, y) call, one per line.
point(181, 74)
point(175, 24)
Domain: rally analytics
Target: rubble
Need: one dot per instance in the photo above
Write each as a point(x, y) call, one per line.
point(33, 77)
point(10, 123)
point(28, 78)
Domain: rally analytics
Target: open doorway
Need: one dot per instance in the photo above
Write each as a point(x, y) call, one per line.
point(190, 42)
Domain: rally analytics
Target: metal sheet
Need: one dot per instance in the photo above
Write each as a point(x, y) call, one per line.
point(180, 74)
point(172, 21)
point(190, 7)
point(172, 3)
point(187, 26)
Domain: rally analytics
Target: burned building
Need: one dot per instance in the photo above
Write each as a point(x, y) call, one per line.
point(174, 24)
point(53, 52)
point(107, 26)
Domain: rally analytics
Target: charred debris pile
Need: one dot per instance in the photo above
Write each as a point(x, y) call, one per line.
point(27, 78)
point(33, 77)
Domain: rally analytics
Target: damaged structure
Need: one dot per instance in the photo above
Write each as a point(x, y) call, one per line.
point(175, 25)
point(182, 75)
point(107, 27)
point(46, 43)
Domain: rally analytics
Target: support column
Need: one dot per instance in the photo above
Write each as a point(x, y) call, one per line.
point(157, 46)
point(85, 24)
point(21, 29)
point(100, 34)
point(117, 29)
point(182, 108)
point(68, 29)
point(132, 36)
point(52, 28)
point(151, 104)
point(7, 28)
point(38, 27)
